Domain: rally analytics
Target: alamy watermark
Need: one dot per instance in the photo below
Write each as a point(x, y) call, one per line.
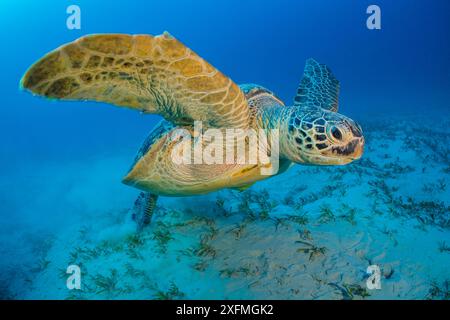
point(73, 21)
point(373, 22)
point(227, 146)
point(74, 280)
point(374, 280)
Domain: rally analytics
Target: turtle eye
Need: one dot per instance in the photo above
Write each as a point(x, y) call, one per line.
point(336, 133)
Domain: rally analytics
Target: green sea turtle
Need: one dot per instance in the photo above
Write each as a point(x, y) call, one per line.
point(160, 75)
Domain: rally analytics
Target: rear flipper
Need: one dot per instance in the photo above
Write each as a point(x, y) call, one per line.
point(143, 209)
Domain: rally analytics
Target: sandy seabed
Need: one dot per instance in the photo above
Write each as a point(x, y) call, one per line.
point(309, 233)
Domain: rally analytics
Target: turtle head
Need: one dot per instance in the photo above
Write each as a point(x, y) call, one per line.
point(322, 137)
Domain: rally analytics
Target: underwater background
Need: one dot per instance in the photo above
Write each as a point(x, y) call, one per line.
point(309, 233)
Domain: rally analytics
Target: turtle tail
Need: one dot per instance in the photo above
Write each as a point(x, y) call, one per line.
point(143, 209)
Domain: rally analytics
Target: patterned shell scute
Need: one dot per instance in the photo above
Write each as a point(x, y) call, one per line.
point(158, 132)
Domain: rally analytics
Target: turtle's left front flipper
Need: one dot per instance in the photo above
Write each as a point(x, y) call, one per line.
point(143, 209)
point(158, 75)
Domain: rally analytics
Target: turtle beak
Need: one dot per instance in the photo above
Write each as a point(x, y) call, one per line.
point(359, 149)
point(350, 152)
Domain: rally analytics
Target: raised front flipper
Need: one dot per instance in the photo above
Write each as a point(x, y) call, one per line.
point(318, 88)
point(151, 74)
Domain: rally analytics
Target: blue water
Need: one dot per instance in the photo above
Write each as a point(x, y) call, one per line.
point(62, 162)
